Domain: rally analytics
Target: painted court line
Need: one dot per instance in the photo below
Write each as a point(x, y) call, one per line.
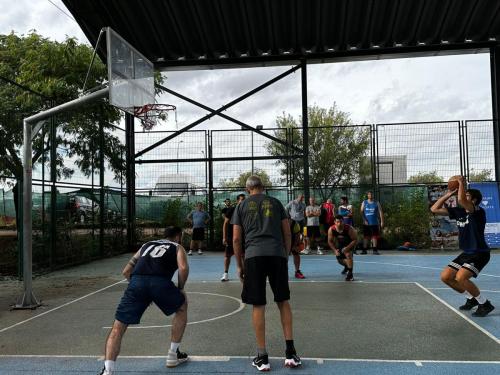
point(470, 321)
point(241, 307)
point(482, 290)
point(228, 358)
point(61, 306)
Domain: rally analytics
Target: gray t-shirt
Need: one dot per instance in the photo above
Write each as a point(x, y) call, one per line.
point(198, 218)
point(313, 221)
point(296, 210)
point(260, 217)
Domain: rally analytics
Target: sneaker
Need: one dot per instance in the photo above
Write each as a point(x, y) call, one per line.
point(224, 277)
point(469, 304)
point(176, 358)
point(190, 252)
point(305, 251)
point(200, 252)
point(484, 309)
point(299, 275)
point(364, 252)
point(355, 252)
point(319, 252)
point(292, 360)
point(261, 362)
point(375, 252)
point(349, 276)
point(105, 372)
point(344, 271)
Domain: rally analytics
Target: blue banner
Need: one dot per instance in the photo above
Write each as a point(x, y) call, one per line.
point(491, 205)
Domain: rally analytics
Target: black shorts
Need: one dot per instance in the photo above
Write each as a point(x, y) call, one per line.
point(473, 262)
point(371, 231)
point(313, 231)
point(257, 270)
point(229, 251)
point(198, 234)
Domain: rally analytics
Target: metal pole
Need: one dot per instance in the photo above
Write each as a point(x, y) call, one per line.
point(28, 300)
point(178, 143)
point(495, 98)
point(305, 128)
point(130, 151)
point(252, 153)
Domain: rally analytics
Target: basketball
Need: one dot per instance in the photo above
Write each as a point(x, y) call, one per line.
point(453, 183)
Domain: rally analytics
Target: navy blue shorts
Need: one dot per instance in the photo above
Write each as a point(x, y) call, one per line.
point(144, 289)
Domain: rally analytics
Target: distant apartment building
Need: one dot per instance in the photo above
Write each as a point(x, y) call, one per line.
point(392, 169)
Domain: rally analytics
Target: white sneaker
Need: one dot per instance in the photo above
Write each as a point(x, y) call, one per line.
point(224, 277)
point(105, 372)
point(305, 251)
point(190, 252)
point(319, 252)
point(200, 252)
point(176, 358)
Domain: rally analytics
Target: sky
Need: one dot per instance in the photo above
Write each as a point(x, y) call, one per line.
point(443, 88)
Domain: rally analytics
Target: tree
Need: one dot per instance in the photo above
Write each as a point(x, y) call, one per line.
point(240, 181)
point(336, 150)
point(425, 178)
point(480, 175)
point(56, 71)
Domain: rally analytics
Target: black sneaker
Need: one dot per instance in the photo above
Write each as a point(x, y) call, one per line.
point(469, 304)
point(292, 360)
point(344, 271)
point(375, 252)
point(349, 276)
point(176, 358)
point(261, 362)
point(484, 309)
point(364, 252)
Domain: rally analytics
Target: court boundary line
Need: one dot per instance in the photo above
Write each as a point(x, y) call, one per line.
point(228, 358)
point(466, 318)
point(60, 306)
point(240, 308)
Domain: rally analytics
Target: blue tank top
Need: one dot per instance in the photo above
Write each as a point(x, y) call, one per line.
point(158, 258)
point(470, 229)
point(371, 212)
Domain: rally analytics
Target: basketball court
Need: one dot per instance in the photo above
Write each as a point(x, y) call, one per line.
point(395, 318)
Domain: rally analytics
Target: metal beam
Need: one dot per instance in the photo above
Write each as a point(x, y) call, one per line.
point(495, 98)
point(219, 111)
point(305, 129)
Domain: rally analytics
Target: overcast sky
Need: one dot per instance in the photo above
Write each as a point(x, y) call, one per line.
point(383, 91)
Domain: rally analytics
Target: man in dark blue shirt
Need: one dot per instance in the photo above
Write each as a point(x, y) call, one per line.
point(471, 221)
point(150, 273)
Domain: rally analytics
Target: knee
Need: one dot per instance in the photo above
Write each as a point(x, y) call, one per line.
point(447, 277)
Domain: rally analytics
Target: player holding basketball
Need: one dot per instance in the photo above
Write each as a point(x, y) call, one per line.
point(342, 239)
point(471, 221)
point(150, 272)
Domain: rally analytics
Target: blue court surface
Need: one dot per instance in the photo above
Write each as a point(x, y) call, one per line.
point(42, 343)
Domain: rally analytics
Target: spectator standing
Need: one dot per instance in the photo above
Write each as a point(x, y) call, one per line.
point(296, 211)
point(313, 212)
point(199, 219)
point(373, 222)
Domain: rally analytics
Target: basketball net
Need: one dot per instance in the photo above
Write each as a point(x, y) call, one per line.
point(148, 114)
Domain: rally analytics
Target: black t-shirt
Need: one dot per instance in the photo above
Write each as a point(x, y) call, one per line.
point(470, 229)
point(229, 231)
point(158, 258)
point(342, 237)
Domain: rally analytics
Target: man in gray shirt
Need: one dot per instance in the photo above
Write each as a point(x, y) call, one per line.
point(199, 220)
point(313, 211)
point(295, 210)
point(264, 222)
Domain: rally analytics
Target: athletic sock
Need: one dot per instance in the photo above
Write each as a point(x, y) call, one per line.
point(290, 348)
point(109, 365)
point(468, 295)
point(261, 351)
point(174, 346)
point(480, 299)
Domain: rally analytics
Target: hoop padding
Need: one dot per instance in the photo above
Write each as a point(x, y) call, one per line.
point(149, 114)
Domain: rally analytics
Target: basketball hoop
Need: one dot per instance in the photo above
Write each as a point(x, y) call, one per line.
point(149, 114)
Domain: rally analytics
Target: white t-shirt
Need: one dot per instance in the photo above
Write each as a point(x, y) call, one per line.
point(313, 221)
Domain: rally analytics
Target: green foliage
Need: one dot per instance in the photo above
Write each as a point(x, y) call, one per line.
point(425, 178)
point(240, 181)
point(336, 148)
point(406, 217)
point(174, 213)
point(480, 175)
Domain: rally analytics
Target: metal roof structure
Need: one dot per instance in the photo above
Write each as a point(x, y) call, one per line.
point(186, 34)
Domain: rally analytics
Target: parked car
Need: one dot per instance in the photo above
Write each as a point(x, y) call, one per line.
point(82, 208)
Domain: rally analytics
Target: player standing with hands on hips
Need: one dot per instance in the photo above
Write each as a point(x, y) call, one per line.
point(471, 221)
